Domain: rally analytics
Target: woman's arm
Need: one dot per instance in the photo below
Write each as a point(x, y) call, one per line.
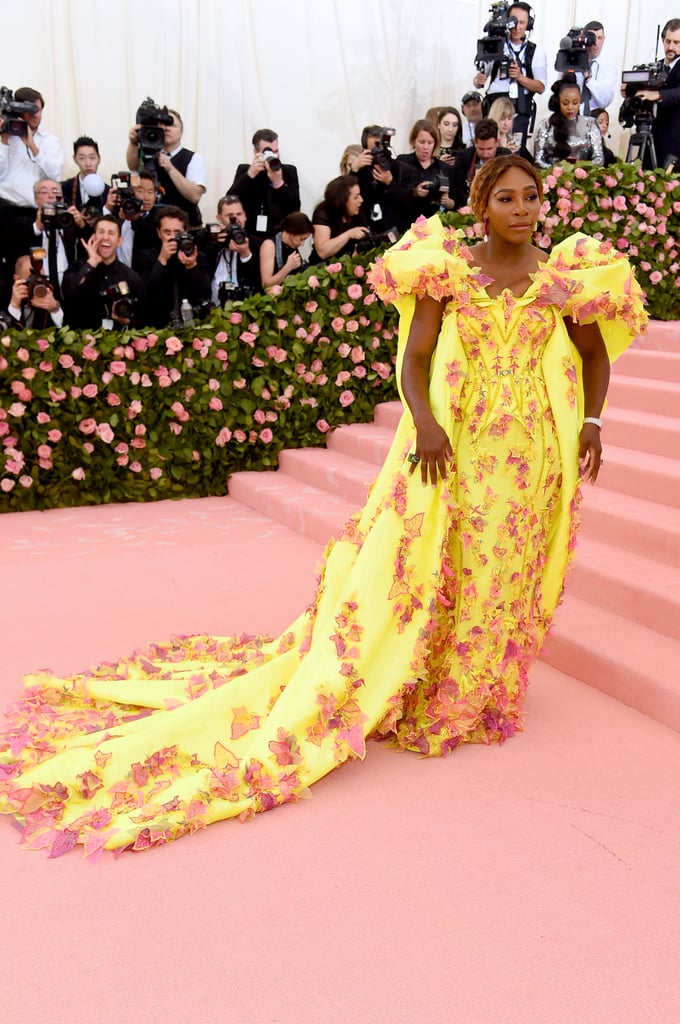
point(327, 246)
point(433, 447)
point(541, 154)
point(590, 346)
point(596, 143)
point(267, 275)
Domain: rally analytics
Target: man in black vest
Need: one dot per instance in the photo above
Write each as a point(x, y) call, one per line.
point(180, 172)
point(267, 188)
point(521, 74)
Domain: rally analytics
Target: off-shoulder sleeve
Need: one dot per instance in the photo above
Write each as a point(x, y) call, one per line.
point(591, 282)
point(428, 260)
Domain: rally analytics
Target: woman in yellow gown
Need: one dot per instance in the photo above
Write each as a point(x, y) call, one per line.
point(434, 599)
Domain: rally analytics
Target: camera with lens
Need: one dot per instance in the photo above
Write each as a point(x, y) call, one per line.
point(573, 52)
point(129, 206)
point(56, 216)
point(635, 110)
point(235, 233)
point(38, 284)
point(119, 303)
point(186, 242)
point(229, 291)
point(491, 47)
point(270, 157)
point(11, 121)
point(151, 120)
point(376, 238)
point(437, 187)
point(382, 152)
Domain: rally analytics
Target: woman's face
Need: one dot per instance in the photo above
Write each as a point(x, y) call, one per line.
point(353, 201)
point(505, 124)
point(448, 126)
point(603, 122)
point(513, 207)
point(424, 147)
point(570, 101)
point(297, 240)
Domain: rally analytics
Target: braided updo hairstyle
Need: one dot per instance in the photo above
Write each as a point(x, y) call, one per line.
point(558, 122)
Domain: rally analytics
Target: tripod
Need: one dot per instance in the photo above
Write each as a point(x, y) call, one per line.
point(641, 146)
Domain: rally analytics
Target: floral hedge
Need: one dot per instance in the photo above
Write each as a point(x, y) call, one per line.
point(95, 417)
point(104, 416)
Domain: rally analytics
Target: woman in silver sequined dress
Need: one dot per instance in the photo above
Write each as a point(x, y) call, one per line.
point(567, 134)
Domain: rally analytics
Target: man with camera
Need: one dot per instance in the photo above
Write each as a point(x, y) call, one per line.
point(52, 226)
point(471, 159)
point(132, 200)
point(385, 198)
point(233, 255)
point(666, 125)
point(27, 154)
point(522, 70)
point(179, 271)
point(101, 291)
point(598, 80)
point(181, 173)
point(267, 188)
point(75, 190)
point(33, 303)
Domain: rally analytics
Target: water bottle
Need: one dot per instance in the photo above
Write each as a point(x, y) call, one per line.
point(186, 313)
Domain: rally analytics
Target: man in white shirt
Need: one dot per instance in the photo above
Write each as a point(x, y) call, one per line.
point(599, 81)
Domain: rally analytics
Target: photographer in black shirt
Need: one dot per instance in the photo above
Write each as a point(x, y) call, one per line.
point(178, 273)
point(386, 201)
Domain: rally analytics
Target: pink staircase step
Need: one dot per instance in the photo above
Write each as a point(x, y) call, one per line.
point(623, 659)
point(363, 441)
point(308, 510)
point(634, 524)
point(661, 334)
point(656, 396)
point(331, 471)
point(388, 414)
point(648, 363)
point(656, 477)
point(643, 431)
point(629, 584)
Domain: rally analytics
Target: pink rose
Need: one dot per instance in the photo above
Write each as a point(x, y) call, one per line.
point(17, 409)
point(239, 435)
point(313, 281)
point(236, 318)
point(118, 367)
point(43, 344)
point(216, 404)
point(213, 385)
point(221, 337)
point(359, 271)
point(246, 336)
point(43, 418)
point(332, 294)
point(259, 416)
point(76, 392)
point(54, 436)
point(266, 435)
point(156, 473)
point(619, 202)
point(90, 352)
point(90, 390)
point(123, 460)
point(581, 173)
point(88, 447)
point(175, 428)
point(333, 268)
point(655, 277)
point(352, 326)
point(577, 223)
point(311, 307)
point(121, 448)
point(105, 433)
point(355, 291)
point(164, 381)
point(172, 345)
point(223, 437)
point(87, 426)
point(138, 442)
point(135, 467)
point(6, 484)
point(44, 451)
point(78, 473)
point(359, 371)
point(342, 378)
point(346, 308)
point(323, 426)
point(240, 383)
point(26, 481)
point(13, 466)
point(337, 323)
point(346, 398)
point(357, 354)
point(23, 355)
point(112, 398)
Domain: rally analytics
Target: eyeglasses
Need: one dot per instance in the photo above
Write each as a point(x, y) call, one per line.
point(49, 192)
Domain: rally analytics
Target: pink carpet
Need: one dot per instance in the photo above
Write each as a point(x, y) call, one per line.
point(533, 883)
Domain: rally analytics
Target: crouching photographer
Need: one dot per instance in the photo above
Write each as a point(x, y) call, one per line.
point(33, 303)
point(280, 256)
point(233, 254)
point(178, 279)
point(93, 288)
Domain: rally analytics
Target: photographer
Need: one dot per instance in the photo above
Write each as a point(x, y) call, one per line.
point(101, 291)
point(180, 172)
point(280, 255)
point(598, 81)
point(470, 160)
point(338, 220)
point(234, 256)
point(267, 188)
point(385, 198)
point(522, 72)
point(666, 126)
point(33, 303)
point(178, 272)
point(427, 179)
point(53, 227)
point(134, 206)
point(86, 156)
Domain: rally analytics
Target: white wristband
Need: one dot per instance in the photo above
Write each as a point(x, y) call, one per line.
point(595, 420)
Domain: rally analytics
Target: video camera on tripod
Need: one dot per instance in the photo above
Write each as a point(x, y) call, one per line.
point(491, 47)
point(638, 112)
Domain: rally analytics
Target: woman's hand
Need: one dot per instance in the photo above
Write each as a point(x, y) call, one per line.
point(358, 232)
point(433, 450)
point(590, 451)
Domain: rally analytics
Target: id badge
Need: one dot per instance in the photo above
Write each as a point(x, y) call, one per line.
point(107, 325)
point(261, 223)
point(376, 212)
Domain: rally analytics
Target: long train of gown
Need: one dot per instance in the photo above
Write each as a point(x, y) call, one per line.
point(431, 606)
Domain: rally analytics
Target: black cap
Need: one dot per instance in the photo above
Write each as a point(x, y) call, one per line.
point(470, 96)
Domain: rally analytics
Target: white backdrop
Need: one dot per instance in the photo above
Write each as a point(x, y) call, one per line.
point(314, 70)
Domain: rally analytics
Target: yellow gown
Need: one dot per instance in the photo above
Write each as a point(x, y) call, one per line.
point(431, 606)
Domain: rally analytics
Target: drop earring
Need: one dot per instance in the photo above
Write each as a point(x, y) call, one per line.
point(485, 228)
